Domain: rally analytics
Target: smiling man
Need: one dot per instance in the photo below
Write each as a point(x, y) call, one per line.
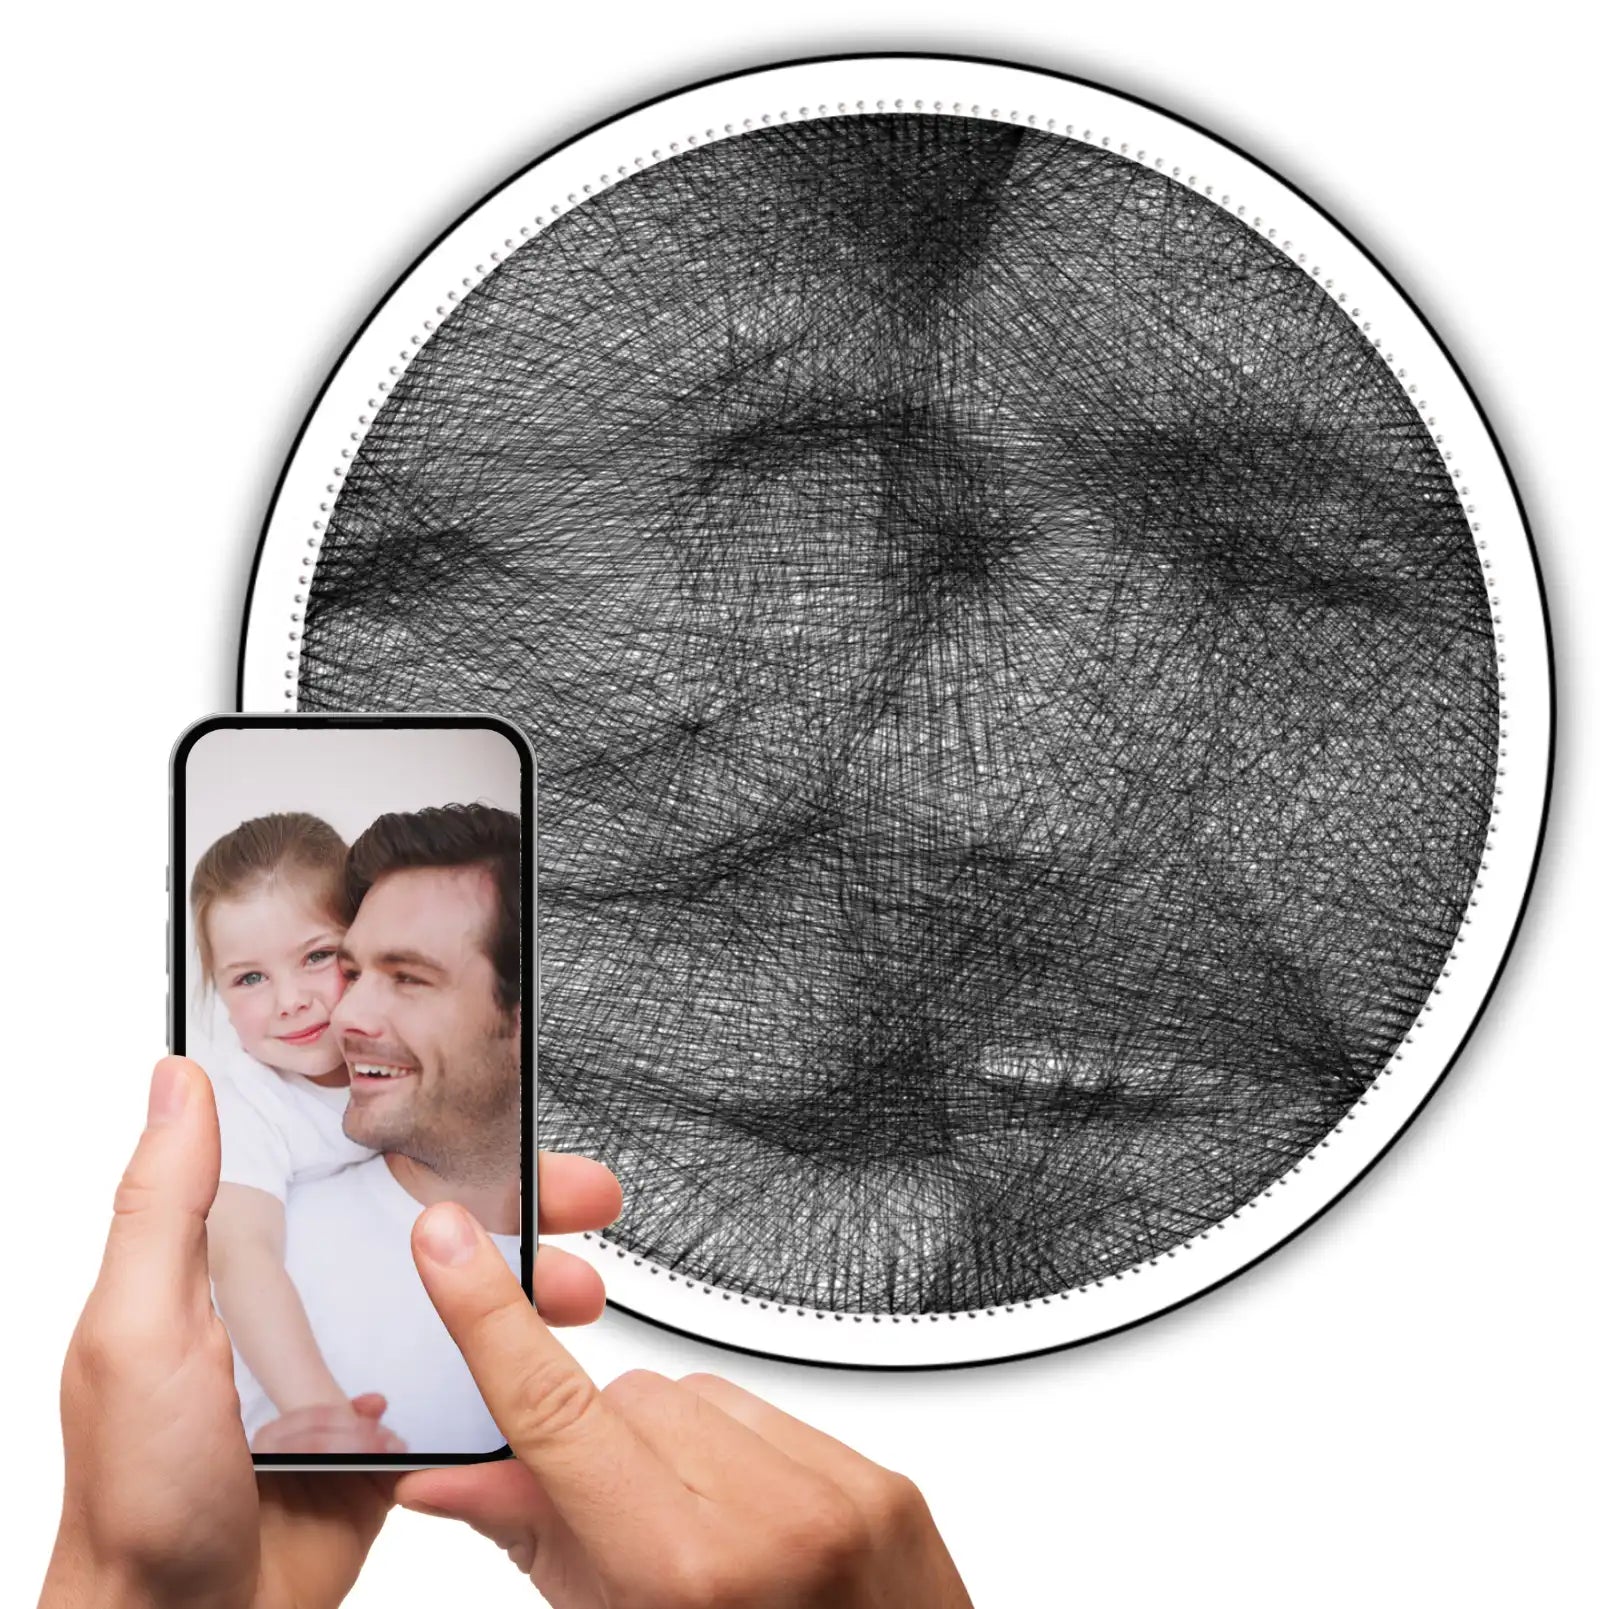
point(430, 1020)
point(429, 1025)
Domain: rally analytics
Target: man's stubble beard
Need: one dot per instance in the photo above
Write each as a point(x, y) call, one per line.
point(467, 1130)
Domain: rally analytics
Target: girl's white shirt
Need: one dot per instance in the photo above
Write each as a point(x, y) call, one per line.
point(278, 1129)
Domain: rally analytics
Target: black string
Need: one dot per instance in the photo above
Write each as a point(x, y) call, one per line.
point(1013, 687)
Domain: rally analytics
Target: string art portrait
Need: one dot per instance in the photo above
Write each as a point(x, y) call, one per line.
point(1017, 691)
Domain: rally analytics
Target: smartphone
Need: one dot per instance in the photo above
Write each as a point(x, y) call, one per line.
point(353, 960)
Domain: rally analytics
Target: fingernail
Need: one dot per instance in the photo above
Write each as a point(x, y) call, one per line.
point(169, 1089)
point(448, 1235)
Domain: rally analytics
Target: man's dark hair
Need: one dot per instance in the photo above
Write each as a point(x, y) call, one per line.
point(450, 836)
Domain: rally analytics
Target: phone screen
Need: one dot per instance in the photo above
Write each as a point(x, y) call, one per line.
point(353, 964)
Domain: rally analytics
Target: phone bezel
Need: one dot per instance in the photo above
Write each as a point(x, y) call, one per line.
point(530, 984)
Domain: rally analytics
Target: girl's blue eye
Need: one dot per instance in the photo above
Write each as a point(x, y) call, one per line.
point(247, 978)
point(317, 958)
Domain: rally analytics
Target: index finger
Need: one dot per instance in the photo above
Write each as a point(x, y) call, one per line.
point(592, 1465)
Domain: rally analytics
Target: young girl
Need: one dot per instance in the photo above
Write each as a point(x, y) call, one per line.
point(269, 907)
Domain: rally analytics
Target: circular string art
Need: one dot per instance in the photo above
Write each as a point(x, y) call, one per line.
point(1036, 668)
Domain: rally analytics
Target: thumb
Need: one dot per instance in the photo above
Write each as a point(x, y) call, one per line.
point(597, 1472)
point(157, 1245)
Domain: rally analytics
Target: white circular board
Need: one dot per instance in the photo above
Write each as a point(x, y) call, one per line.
point(746, 1313)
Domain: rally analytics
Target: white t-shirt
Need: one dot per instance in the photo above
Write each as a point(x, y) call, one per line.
point(278, 1129)
point(347, 1251)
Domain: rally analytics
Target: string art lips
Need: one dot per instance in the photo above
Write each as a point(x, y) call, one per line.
point(1020, 701)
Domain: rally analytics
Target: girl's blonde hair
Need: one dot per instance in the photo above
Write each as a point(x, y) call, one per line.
point(290, 844)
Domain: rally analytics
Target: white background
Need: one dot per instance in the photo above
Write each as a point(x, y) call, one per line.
point(346, 776)
point(1404, 1405)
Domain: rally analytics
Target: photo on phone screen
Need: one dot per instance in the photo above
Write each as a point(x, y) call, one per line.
point(353, 966)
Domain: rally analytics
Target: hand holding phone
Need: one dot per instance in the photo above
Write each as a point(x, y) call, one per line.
point(161, 1504)
point(664, 1492)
